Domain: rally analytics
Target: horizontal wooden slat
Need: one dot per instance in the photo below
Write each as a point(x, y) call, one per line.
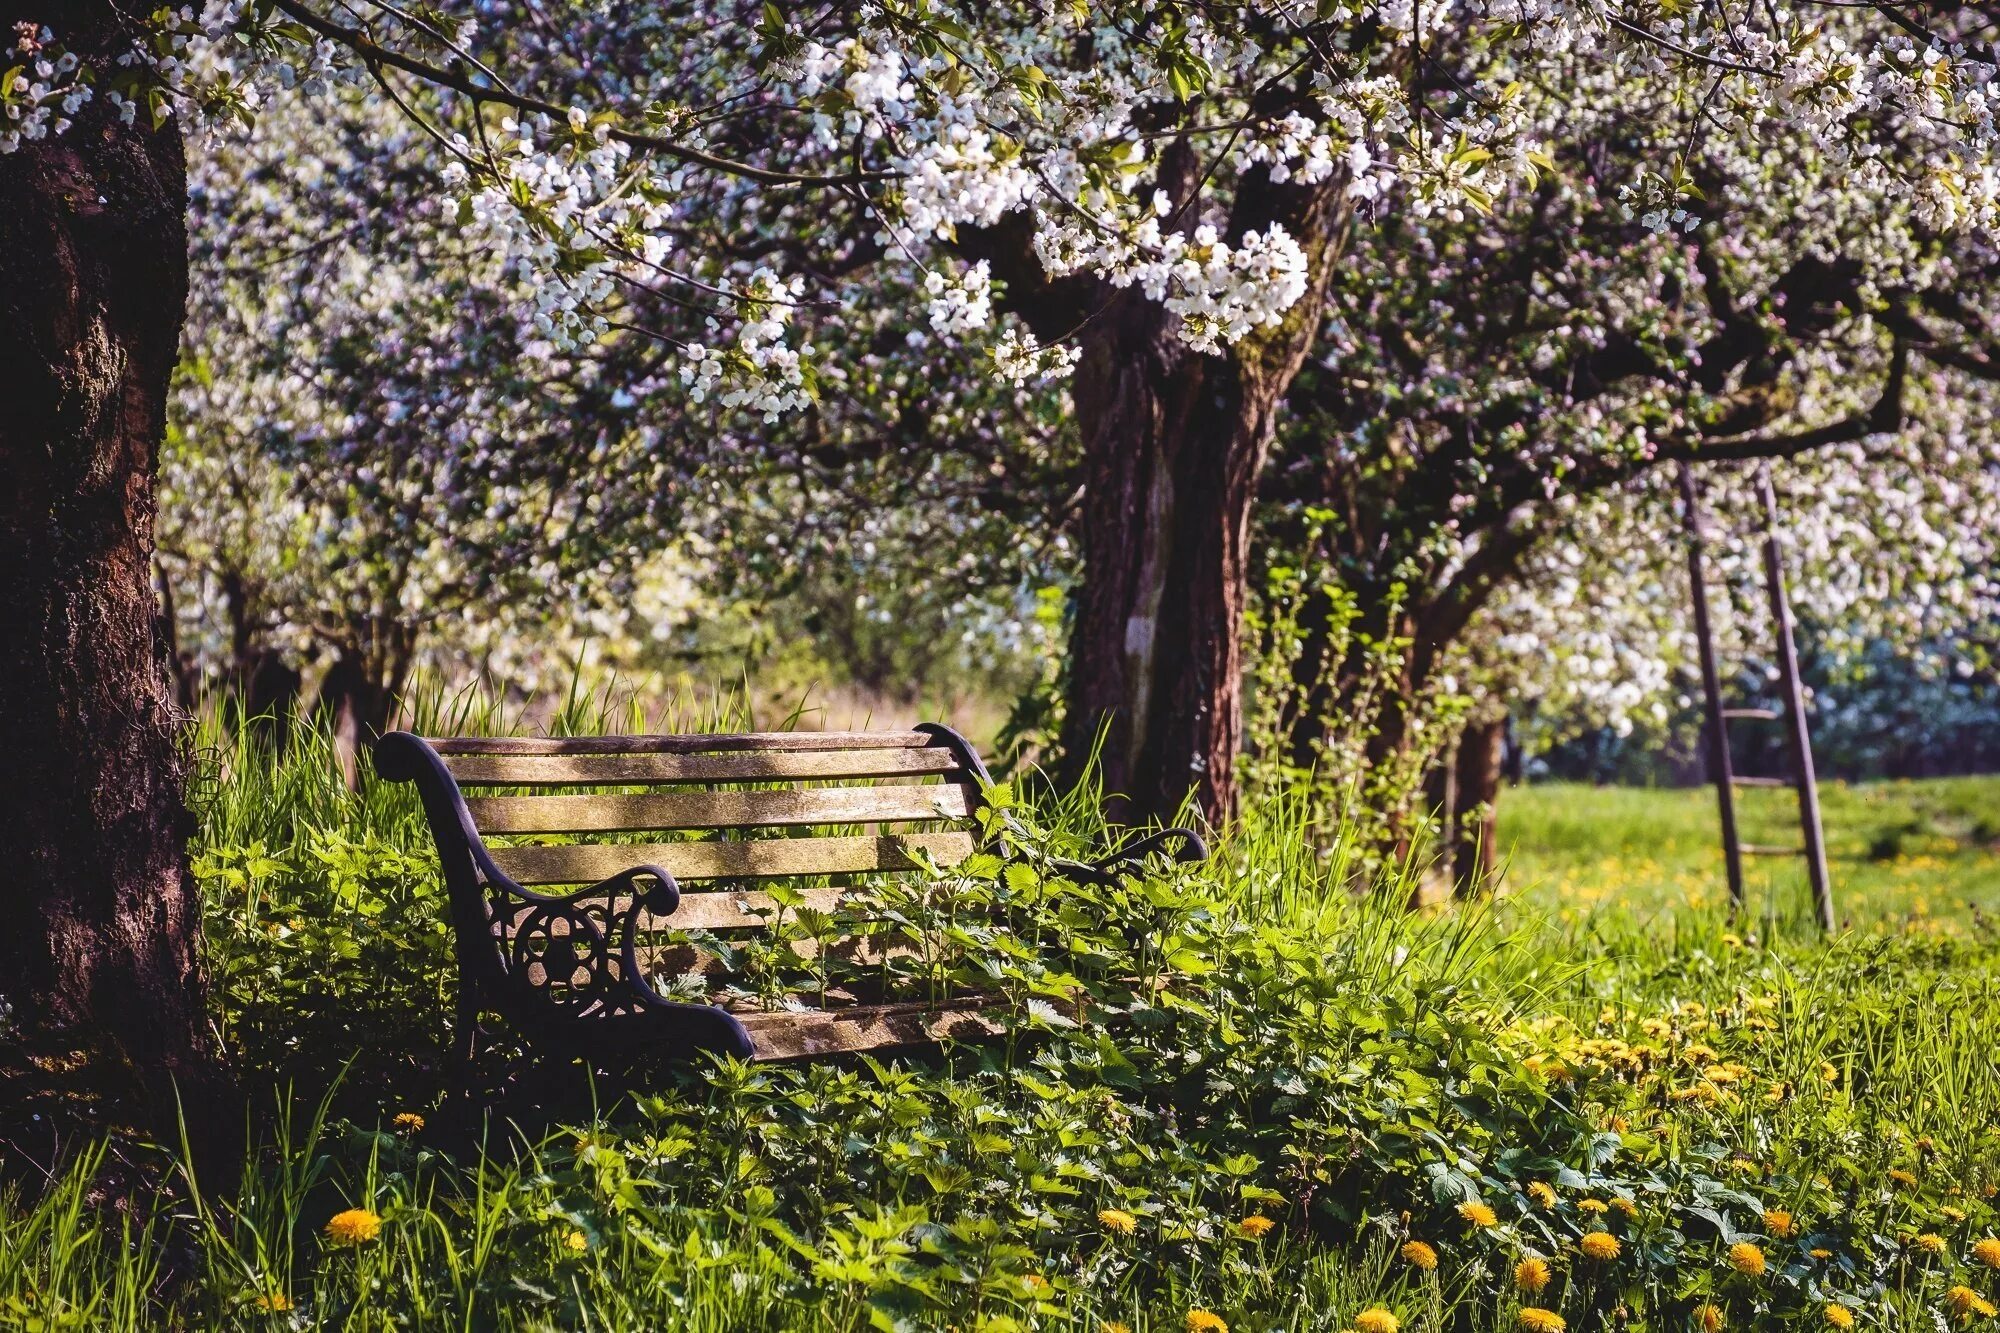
point(778, 808)
point(779, 741)
point(623, 770)
point(724, 910)
point(789, 1036)
point(754, 858)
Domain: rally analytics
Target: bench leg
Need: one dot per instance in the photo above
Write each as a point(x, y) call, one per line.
point(464, 1041)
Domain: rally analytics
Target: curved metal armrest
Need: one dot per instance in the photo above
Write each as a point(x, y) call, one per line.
point(663, 899)
point(1110, 867)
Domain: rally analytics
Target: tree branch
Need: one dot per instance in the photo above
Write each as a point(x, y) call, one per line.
point(358, 41)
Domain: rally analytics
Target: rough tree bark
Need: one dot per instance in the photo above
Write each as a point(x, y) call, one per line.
point(100, 960)
point(1174, 442)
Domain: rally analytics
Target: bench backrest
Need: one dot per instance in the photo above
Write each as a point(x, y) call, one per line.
point(745, 807)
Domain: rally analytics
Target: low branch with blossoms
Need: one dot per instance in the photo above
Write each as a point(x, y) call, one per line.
point(611, 164)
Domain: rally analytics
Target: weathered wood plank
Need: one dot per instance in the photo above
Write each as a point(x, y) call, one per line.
point(791, 1036)
point(726, 910)
point(751, 859)
point(778, 808)
point(780, 741)
point(631, 770)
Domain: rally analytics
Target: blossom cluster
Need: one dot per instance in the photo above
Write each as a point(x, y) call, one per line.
point(41, 95)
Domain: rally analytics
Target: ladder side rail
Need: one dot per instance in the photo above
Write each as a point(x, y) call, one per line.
point(1714, 732)
point(1797, 732)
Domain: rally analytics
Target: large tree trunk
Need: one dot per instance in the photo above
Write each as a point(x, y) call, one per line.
point(1172, 451)
point(1174, 441)
point(100, 957)
point(361, 692)
point(1475, 811)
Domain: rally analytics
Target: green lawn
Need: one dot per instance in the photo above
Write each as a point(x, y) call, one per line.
point(1909, 856)
point(1289, 1108)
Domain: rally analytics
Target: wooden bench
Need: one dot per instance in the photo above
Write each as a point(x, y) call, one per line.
point(795, 814)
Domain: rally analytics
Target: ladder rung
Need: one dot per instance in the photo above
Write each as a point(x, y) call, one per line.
point(1759, 849)
point(1741, 781)
point(1754, 714)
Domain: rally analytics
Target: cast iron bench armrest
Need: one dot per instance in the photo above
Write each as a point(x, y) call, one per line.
point(663, 899)
point(1111, 866)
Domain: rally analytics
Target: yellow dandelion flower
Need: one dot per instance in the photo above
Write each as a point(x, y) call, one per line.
point(1746, 1258)
point(1419, 1255)
point(1531, 1275)
point(1113, 1326)
point(1821, 1254)
point(1376, 1320)
point(275, 1301)
point(1595, 1207)
point(1534, 1319)
point(1624, 1207)
point(1839, 1316)
point(1255, 1227)
point(1118, 1220)
point(1709, 1318)
point(1205, 1321)
point(576, 1242)
point(1959, 1300)
point(1955, 1214)
point(1779, 1223)
point(1599, 1245)
point(409, 1122)
point(1930, 1243)
point(1901, 1177)
point(1542, 1193)
point(355, 1226)
point(1987, 1251)
point(1476, 1214)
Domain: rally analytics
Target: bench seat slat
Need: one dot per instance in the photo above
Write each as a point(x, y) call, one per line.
point(776, 741)
point(790, 1036)
point(621, 770)
point(750, 859)
point(783, 807)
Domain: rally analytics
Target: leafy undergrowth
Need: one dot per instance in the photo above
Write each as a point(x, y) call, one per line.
point(1286, 1109)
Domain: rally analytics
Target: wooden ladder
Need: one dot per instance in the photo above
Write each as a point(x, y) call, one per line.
point(1793, 714)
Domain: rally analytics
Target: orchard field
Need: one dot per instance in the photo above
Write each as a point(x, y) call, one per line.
point(1599, 1104)
point(1916, 856)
